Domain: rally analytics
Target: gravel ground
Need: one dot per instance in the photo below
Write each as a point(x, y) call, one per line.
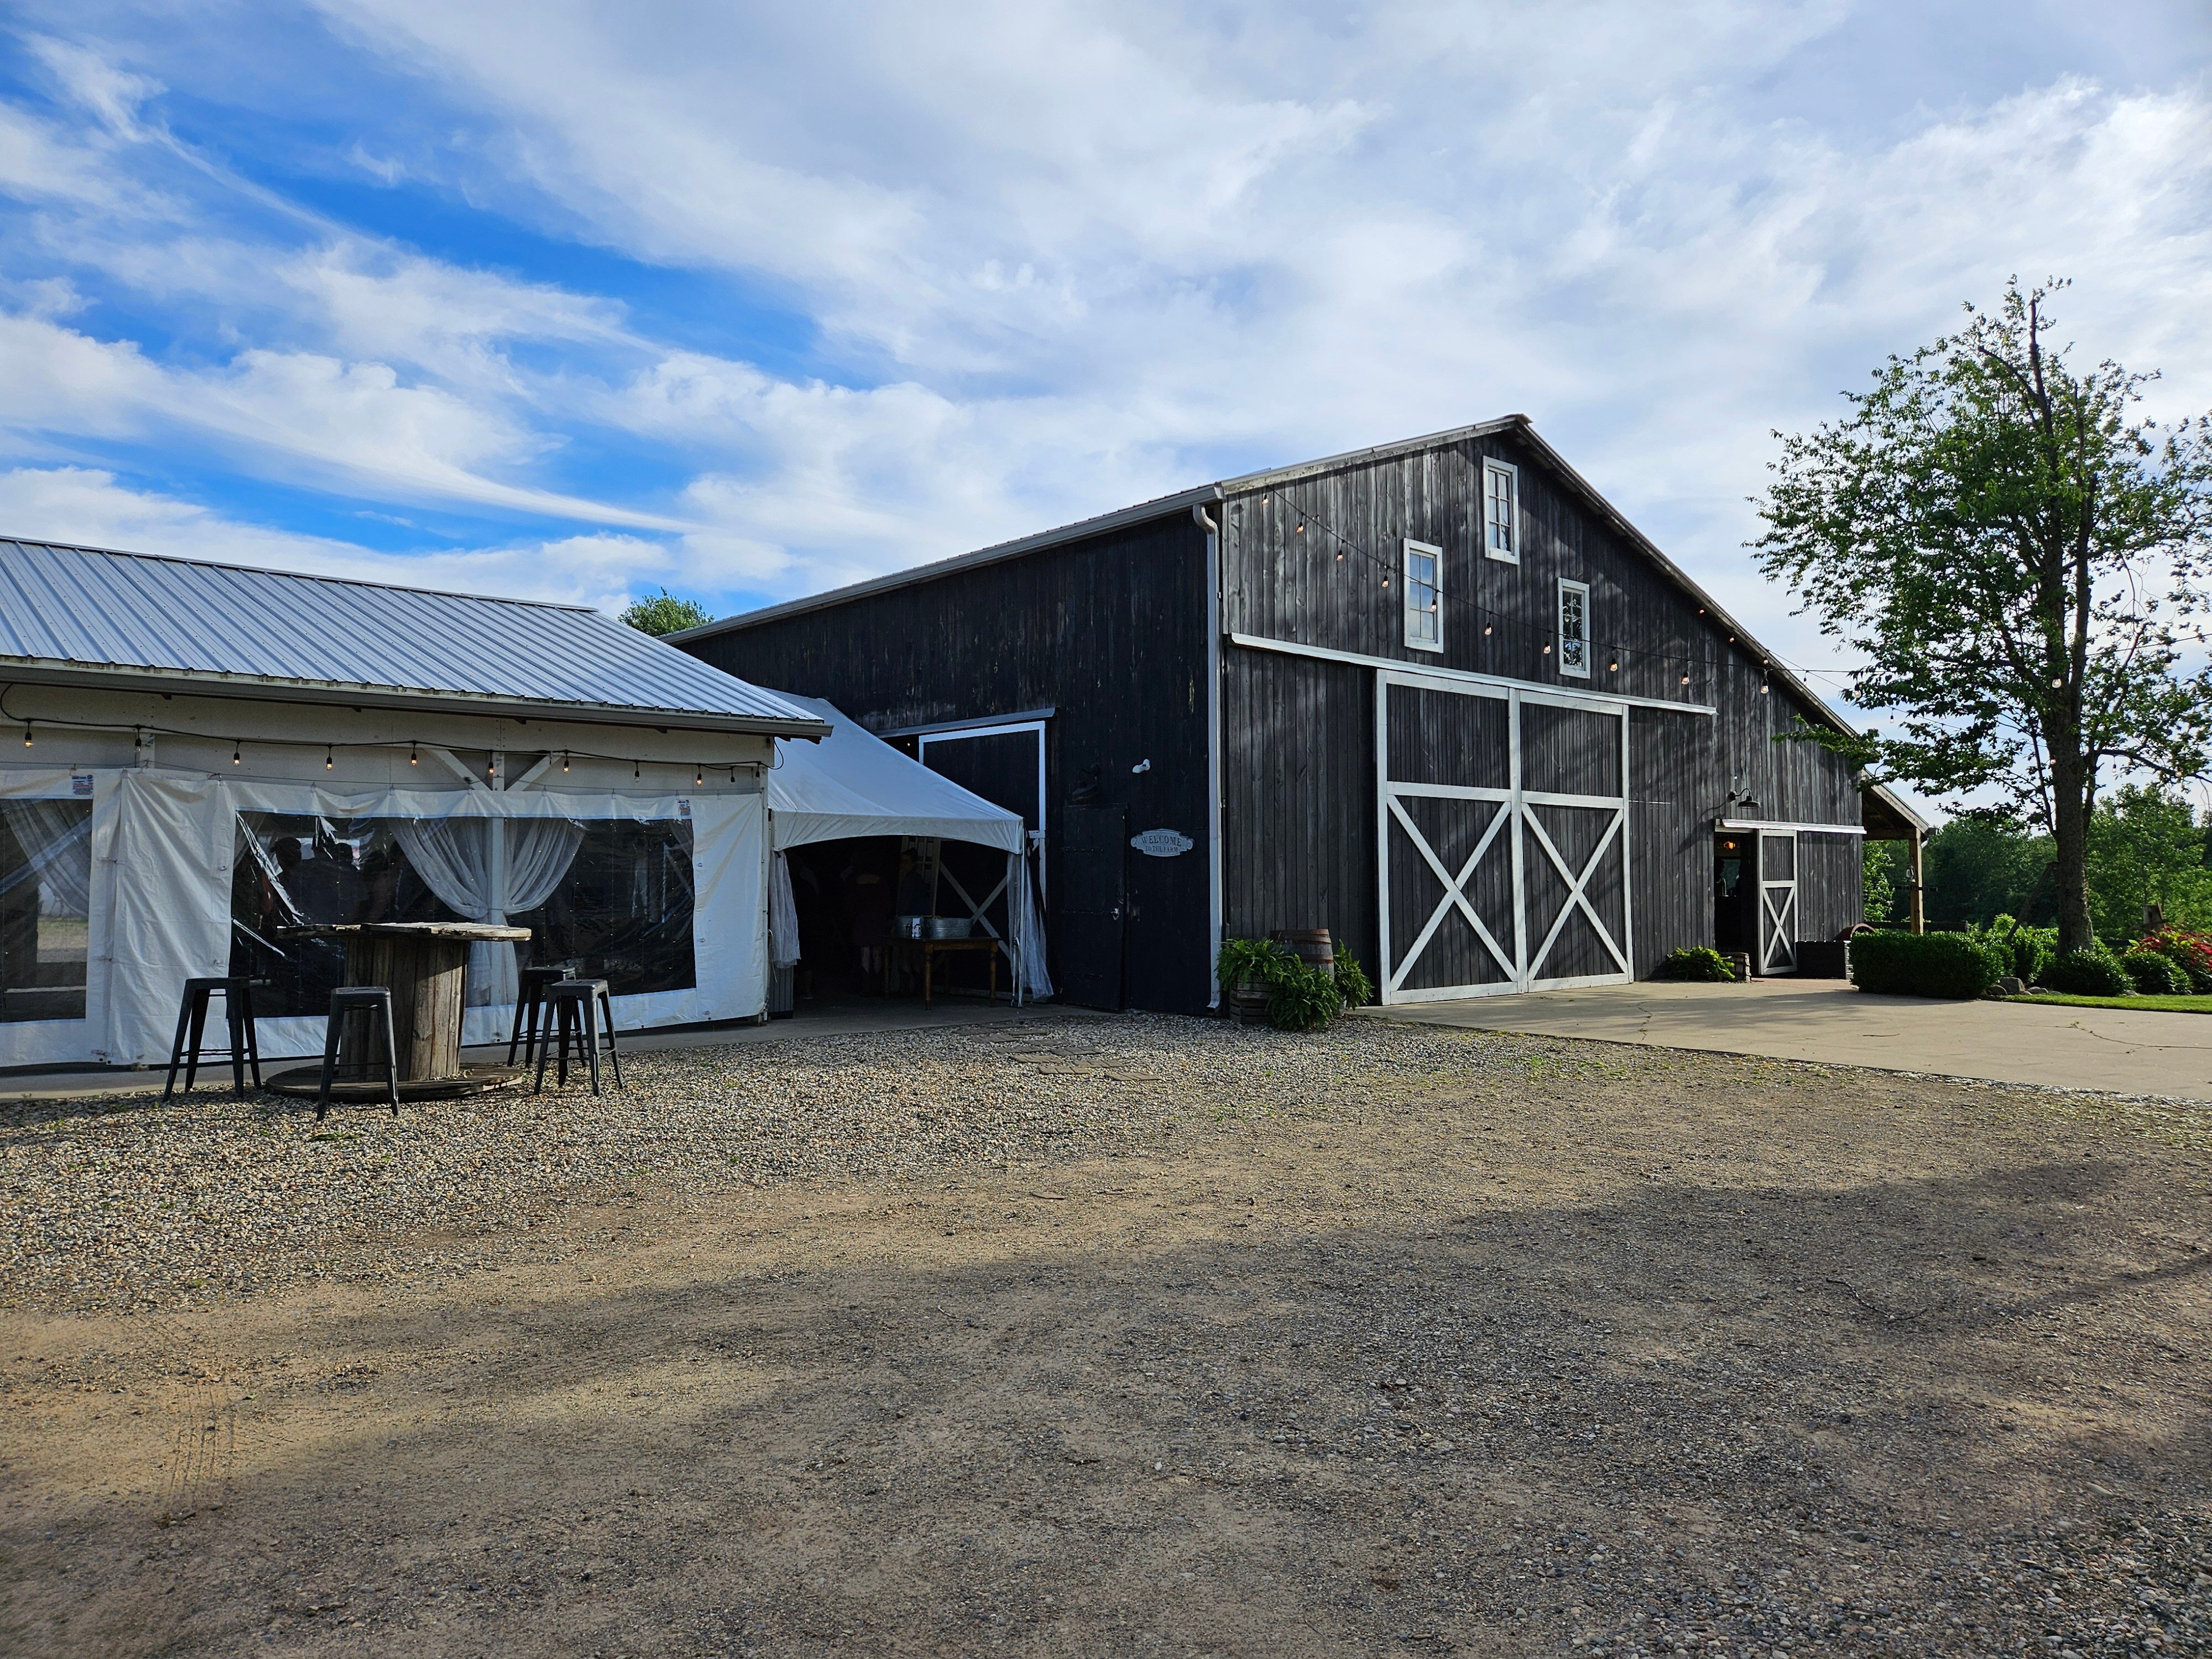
point(1137, 1336)
point(121, 1201)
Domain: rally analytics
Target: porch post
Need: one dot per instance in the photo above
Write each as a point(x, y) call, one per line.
point(1919, 911)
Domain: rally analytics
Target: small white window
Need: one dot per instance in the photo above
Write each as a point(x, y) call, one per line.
point(1574, 629)
point(1424, 596)
point(1501, 512)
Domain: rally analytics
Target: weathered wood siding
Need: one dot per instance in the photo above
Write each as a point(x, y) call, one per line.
point(1109, 631)
point(1831, 893)
point(1282, 583)
point(1297, 789)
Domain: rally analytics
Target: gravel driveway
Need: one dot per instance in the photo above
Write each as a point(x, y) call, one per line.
point(1132, 1336)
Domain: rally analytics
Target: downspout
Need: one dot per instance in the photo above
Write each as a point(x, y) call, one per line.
point(1213, 882)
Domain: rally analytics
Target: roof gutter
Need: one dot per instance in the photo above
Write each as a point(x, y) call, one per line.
point(194, 683)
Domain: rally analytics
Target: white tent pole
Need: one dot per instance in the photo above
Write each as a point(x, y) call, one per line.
point(1017, 908)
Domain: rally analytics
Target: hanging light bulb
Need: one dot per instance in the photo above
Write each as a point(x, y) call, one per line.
point(491, 770)
point(27, 734)
point(1686, 674)
point(698, 776)
point(1302, 527)
point(1765, 689)
point(235, 757)
point(413, 759)
point(1613, 667)
point(1485, 629)
point(1340, 555)
point(1547, 650)
point(564, 760)
point(633, 768)
point(326, 758)
point(734, 775)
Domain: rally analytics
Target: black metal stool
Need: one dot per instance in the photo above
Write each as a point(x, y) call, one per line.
point(237, 993)
point(371, 1000)
point(576, 1005)
point(531, 1008)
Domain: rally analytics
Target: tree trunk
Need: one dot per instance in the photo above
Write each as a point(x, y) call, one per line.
point(2071, 831)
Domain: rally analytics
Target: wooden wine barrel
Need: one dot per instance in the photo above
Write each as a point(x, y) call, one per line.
point(1311, 945)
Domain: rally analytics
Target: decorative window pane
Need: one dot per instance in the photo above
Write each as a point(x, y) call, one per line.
point(1424, 619)
point(1501, 512)
point(1574, 629)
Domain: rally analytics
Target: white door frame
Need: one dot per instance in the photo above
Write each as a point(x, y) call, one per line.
point(1778, 907)
point(1524, 969)
point(998, 729)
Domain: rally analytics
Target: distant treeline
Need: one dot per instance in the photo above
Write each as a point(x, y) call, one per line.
point(2145, 845)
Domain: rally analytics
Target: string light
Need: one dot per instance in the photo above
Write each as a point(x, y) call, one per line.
point(234, 756)
point(564, 760)
point(326, 758)
point(413, 759)
point(492, 771)
point(27, 734)
point(1613, 667)
point(633, 768)
point(698, 776)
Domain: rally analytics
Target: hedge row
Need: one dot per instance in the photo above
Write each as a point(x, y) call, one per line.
point(1925, 964)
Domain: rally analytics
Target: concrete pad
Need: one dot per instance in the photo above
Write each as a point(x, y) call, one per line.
point(2120, 1050)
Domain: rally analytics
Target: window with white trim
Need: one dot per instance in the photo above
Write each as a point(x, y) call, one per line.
point(1424, 596)
point(1574, 629)
point(1501, 512)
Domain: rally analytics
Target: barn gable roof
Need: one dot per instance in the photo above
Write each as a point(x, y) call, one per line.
point(1899, 817)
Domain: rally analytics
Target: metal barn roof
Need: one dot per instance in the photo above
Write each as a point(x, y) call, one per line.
point(88, 616)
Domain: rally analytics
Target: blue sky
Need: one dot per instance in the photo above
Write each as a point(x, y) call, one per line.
point(579, 301)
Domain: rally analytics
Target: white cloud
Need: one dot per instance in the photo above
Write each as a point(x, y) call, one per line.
point(89, 508)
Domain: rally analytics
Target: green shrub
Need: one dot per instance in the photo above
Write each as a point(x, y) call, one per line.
point(1352, 979)
point(2153, 975)
point(1925, 964)
point(2092, 973)
point(2192, 953)
point(1299, 997)
point(1697, 962)
point(2027, 949)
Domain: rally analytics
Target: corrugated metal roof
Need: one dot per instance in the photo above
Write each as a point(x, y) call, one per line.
point(94, 615)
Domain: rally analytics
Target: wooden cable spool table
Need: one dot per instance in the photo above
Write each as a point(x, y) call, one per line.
point(424, 964)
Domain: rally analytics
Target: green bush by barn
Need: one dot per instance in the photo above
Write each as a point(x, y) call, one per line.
point(1954, 965)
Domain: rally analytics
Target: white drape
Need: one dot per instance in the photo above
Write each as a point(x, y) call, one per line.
point(485, 870)
point(56, 837)
point(782, 915)
point(1029, 937)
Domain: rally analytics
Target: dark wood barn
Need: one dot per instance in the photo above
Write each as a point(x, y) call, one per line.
point(1437, 696)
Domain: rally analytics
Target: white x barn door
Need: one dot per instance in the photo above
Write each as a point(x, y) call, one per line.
point(1777, 902)
point(1503, 822)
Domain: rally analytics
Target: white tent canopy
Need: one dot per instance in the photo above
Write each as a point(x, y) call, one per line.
point(852, 783)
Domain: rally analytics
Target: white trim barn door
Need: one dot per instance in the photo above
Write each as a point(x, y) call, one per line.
point(1777, 902)
point(1502, 818)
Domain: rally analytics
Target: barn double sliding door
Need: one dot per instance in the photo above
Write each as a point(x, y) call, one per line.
point(1503, 818)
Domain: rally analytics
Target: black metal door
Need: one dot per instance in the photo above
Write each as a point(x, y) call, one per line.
point(1093, 843)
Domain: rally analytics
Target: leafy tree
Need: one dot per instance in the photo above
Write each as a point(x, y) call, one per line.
point(1884, 869)
point(2146, 848)
point(1976, 870)
point(666, 614)
point(2017, 561)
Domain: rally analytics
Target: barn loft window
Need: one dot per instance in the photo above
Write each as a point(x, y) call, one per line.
point(1501, 512)
point(1424, 615)
point(1574, 629)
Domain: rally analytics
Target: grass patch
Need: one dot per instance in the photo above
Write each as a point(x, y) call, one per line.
point(2150, 1004)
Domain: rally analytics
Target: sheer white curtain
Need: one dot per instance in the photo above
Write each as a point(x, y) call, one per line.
point(782, 914)
point(485, 870)
point(1029, 937)
point(56, 836)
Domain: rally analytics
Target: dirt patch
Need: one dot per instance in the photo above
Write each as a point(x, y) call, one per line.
point(1527, 1347)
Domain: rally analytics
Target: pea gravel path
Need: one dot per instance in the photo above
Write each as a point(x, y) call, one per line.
point(1134, 1336)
